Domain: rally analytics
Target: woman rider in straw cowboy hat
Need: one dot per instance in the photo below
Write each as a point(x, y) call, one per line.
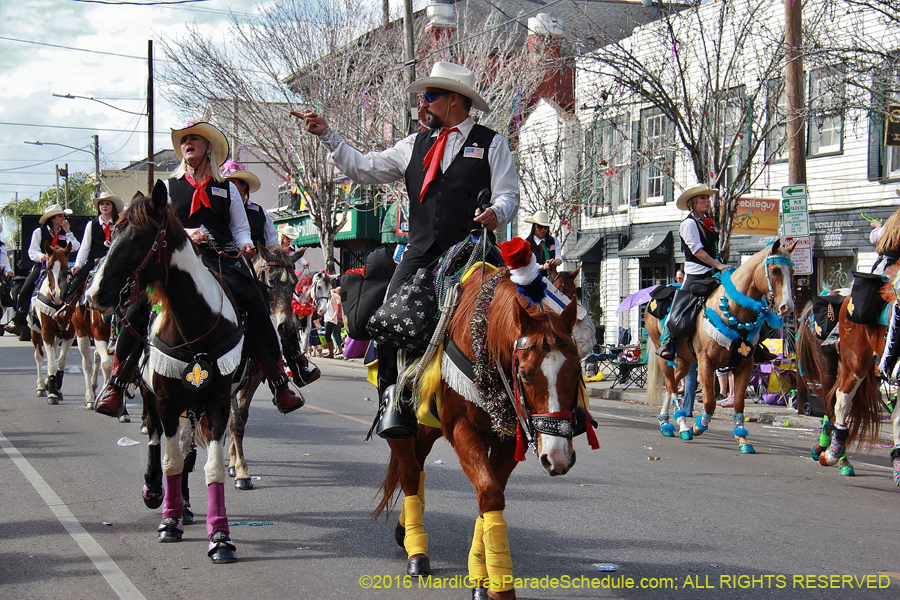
point(94, 246)
point(54, 230)
point(263, 233)
point(213, 216)
point(700, 244)
point(545, 247)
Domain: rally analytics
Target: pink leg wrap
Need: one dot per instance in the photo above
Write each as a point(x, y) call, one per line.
point(215, 509)
point(173, 505)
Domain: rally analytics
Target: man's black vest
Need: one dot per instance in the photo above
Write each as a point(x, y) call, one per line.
point(47, 237)
point(539, 254)
point(710, 244)
point(256, 216)
point(445, 215)
point(217, 220)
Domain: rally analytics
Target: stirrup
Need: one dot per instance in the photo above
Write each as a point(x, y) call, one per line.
point(395, 418)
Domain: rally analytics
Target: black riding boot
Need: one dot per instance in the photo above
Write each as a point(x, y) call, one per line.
point(303, 372)
point(889, 365)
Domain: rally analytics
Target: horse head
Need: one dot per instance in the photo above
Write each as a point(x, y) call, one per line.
point(275, 271)
point(54, 286)
point(773, 278)
point(547, 378)
point(565, 282)
point(143, 241)
point(320, 291)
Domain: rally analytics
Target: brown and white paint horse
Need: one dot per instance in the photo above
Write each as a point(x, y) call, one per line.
point(53, 341)
point(765, 277)
point(150, 247)
point(535, 351)
point(90, 325)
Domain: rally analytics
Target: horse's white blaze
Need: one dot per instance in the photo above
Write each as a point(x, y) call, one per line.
point(185, 259)
point(842, 402)
point(555, 448)
point(786, 301)
point(54, 296)
point(215, 462)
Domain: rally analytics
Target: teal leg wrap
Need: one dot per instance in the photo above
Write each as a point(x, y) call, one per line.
point(740, 431)
point(702, 422)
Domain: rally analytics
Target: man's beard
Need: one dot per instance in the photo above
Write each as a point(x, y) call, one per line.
point(433, 121)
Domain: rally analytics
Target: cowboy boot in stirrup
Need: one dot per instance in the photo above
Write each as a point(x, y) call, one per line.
point(889, 364)
point(285, 399)
point(17, 326)
point(111, 401)
point(396, 419)
point(303, 372)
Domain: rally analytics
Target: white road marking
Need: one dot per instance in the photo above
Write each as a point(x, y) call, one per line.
point(117, 580)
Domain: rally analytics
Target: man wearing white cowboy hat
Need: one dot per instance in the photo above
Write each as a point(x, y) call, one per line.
point(213, 215)
point(444, 169)
point(54, 231)
point(545, 247)
point(700, 244)
point(94, 245)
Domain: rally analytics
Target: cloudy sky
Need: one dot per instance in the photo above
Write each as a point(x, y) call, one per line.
point(33, 67)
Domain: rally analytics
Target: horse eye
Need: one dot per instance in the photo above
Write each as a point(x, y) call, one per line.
point(521, 343)
point(523, 375)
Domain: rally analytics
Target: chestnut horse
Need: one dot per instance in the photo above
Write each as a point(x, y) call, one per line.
point(197, 318)
point(275, 272)
point(534, 350)
point(53, 341)
point(754, 292)
point(849, 386)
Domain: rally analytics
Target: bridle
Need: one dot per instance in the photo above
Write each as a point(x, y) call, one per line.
point(776, 259)
point(131, 291)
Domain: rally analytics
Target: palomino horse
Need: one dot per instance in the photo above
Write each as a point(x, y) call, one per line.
point(53, 341)
point(535, 351)
point(725, 335)
point(312, 294)
point(849, 387)
point(196, 341)
point(275, 272)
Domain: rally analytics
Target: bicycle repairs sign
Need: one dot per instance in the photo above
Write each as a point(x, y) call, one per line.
point(756, 216)
point(802, 254)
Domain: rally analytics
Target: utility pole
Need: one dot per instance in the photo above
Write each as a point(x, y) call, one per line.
point(409, 44)
point(150, 180)
point(57, 184)
point(66, 175)
point(796, 138)
point(97, 162)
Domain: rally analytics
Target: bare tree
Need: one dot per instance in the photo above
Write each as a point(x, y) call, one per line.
point(702, 76)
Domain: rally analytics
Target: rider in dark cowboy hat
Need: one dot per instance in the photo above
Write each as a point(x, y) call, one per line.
point(213, 216)
point(444, 167)
point(263, 232)
point(53, 230)
point(700, 244)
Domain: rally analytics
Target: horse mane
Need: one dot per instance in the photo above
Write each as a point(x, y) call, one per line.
point(890, 238)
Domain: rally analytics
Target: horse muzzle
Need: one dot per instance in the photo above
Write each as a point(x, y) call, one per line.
point(558, 460)
point(103, 301)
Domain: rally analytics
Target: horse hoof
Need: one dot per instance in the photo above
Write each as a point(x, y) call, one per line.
point(480, 593)
point(815, 453)
point(187, 516)
point(144, 430)
point(232, 472)
point(243, 483)
point(418, 566)
point(169, 531)
point(667, 429)
point(124, 419)
point(400, 534)
point(40, 393)
point(221, 551)
point(697, 431)
point(88, 405)
point(152, 499)
point(747, 449)
point(687, 435)
point(847, 471)
point(223, 556)
point(52, 400)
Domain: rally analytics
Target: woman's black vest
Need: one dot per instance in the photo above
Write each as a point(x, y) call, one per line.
point(710, 241)
point(98, 247)
point(256, 217)
point(217, 220)
point(445, 215)
point(539, 253)
point(47, 237)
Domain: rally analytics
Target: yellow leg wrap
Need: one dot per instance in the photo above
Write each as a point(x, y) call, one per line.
point(477, 568)
point(496, 551)
point(421, 495)
point(416, 540)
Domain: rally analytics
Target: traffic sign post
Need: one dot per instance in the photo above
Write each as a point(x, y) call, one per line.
point(801, 255)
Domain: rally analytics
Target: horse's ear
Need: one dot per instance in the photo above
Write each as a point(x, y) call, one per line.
point(264, 252)
point(67, 248)
point(160, 196)
point(775, 245)
point(520, 316)
point(576, 272)
point(46, 248)
point(137, 196)
point(791, 247)
point(295, 256)
point(570, 315)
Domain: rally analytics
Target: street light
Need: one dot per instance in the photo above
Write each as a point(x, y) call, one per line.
point(96, 154)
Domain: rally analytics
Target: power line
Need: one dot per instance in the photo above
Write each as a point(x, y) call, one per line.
point(123, 3)
point(71, 127)
point(40, 163)
point(9, 39)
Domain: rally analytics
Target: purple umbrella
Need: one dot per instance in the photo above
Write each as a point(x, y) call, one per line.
point(636, 299)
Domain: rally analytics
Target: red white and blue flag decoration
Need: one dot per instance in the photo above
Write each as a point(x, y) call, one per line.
point(523, 269)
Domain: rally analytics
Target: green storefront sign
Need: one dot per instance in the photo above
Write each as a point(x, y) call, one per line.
point(359, 225)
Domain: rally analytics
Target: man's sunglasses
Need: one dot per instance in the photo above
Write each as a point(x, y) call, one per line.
point(432, 96)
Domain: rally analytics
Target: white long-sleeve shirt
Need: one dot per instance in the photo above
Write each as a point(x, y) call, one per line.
point(36, 253)
point(240, 228)
point(5, 267)
point(390, 165)
point(86, 241)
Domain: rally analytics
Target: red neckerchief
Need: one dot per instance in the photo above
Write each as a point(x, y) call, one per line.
point(199, 198)
point(433, 159)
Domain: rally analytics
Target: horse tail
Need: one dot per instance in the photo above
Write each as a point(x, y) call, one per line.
point(865, 412)
point(655, 380)
point(388, 489)
point(807, 365)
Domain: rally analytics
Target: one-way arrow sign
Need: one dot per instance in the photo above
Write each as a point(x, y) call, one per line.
point(794, 191)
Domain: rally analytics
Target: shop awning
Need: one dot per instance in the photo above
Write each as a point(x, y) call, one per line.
point(582, 247)
point(648, 243)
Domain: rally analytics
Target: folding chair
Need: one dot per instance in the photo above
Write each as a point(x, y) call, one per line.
point(632, 372)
